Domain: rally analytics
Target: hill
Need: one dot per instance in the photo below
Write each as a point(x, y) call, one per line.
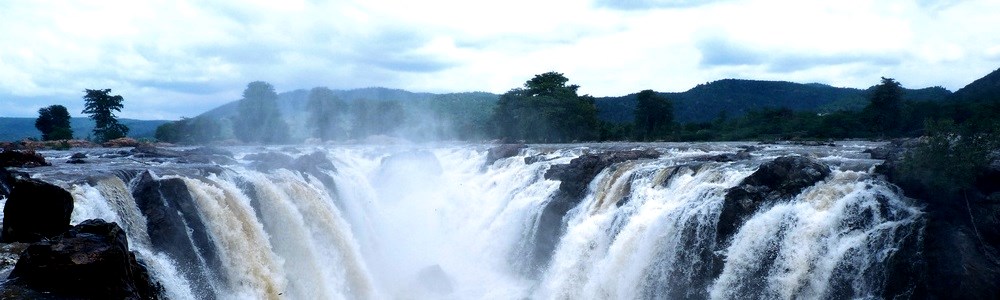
point(986, 89)
point(15, 129)
point(736, 97)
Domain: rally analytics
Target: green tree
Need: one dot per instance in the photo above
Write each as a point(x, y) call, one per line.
point(259, 120)
point(101, 107)
point(325, 110)
point(53, 122)
point(654, 115)
point(546, 110)
point(885, 108)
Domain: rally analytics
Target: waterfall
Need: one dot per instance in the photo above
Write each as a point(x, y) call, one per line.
point(434, 222)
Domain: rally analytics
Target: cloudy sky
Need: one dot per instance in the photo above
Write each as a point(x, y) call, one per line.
point(174, 58)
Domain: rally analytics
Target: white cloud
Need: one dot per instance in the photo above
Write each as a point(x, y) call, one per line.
point(179, 58)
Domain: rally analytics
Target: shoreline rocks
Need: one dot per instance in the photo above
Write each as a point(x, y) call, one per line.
point(90, 261)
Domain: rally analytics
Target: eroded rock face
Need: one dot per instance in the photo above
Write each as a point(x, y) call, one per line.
point(575, 177)
point(503, 151)
point(175, 227)
point(35, 210)
point(90, 261)
point(777, 180)
point(21, 159)
point(958, 256)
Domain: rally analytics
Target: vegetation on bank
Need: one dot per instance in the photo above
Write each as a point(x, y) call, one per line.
point(548, 109)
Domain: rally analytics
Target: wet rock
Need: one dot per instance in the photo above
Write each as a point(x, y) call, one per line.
point(21, 159)
point(574, 177)
point(90, 261)
point(725, 157)
point(503, 151)
point(35, 210)
point(207, 159)
point(534, 159)
point(77, 158)
point(313, 163)
point(176, 228)
point(777, 180)
point(209, 151)
point(147, 151)
point(269, 160)
point(960, 249)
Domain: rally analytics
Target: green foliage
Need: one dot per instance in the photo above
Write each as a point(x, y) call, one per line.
point(197, 130)
point(654, 116)
point(375, 117)
point(886, 108)
point(101, 107)
point(952, 156)
point(259, 120)
point(546, 110)
point(325, 112)
point(53, 122)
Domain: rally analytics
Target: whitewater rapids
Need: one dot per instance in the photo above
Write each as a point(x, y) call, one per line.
point(437, 222)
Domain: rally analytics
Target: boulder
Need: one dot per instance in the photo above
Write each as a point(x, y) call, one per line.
point(576, 175)
point(35, 210)
point(776, 180)
point(147, 151)
point(725, 157)
point(269, 160)
point(78, 155)
point(21, 159)
point(209, 151)
point(90, 261)
point(502, 151)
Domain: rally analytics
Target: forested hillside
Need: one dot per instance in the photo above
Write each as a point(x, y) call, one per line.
point(12, 129)
point(729, 98)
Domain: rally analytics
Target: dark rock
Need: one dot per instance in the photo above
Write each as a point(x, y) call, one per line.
point(575, 177)
point(725, 157)
point(267, 161)
point(21, 159)
point(76, 161)
point(314, 163)
point(777, 180)
point(503, 151)
point(207, 159)
point(35, 210)
point(534, 159)
point(960, 252)
point(209, 151)
point(176, 228)
point(90, 261)
point(116, 154)
point(78, 155)
point(146, 151)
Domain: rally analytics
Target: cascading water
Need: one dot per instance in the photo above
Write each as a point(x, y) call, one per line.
point(435, 223)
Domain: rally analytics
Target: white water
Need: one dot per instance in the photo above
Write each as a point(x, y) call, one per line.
point(435, 224)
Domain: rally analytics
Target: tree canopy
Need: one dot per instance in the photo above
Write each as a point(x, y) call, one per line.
point(886, 107)
point(259, 119)
point(654, 115)
point(53, 122)
point(101, 107)
point(325, 111)
point(546, 110)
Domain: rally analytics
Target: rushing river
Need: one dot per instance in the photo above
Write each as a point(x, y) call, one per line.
point(438, 222)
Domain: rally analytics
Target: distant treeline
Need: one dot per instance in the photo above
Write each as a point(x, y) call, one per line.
point(547, 109)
